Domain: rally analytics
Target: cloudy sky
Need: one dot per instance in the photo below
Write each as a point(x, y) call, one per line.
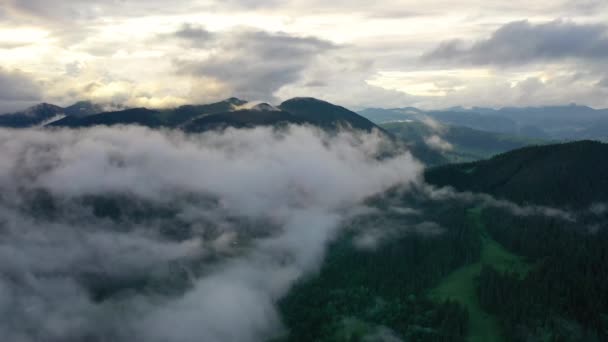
point(430, 54)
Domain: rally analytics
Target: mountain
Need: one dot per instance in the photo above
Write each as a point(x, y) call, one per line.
point(33, 116)
point(83, 108)
point(570, 122)
point(411, 267)
point(242, 119)
point(325, 114)
point(453, 116)
point(328, 116)
point(380, 115)
point(44, 113)
point(197, 118)
point(491, 274)
point(596, 131)
point(427, 155)
point(465, 144)
point(135, 116)
point(563, 175)
point(498, 124)
point(559, 122)
point(150, 118)
point(220, 115)
point(572, 113)
point(183, 114)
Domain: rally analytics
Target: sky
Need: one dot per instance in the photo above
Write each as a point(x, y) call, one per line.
point(389, 53)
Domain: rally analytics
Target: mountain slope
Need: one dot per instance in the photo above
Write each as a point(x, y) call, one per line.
point(183, 114)
point(457, 117)
point(381, 115)
point(150, 118)
point(83, 108)
point(498, 124)
point(36, 115)
point(222, 114)
point(467, 144)
point(242, 119)
point(325, 114)
point(137, 116)
point(569, 122)
point(332, 117)
point(571, 174)
point(558, 122)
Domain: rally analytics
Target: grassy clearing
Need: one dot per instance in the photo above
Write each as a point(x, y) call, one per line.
point(460, 285)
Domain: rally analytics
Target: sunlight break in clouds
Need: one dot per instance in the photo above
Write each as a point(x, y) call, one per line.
point(394, 52)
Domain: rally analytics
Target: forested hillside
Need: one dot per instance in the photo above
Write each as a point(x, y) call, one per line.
point(570, 174)
point(446, 266)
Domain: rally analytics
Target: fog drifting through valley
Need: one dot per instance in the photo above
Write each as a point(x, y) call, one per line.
point(209, 231)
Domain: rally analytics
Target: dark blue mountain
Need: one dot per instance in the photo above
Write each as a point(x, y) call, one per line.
point(33, 116)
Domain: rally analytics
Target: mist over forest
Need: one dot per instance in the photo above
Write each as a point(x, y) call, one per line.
point(297, 171)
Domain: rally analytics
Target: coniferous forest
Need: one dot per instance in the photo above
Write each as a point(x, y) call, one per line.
point(495, 271)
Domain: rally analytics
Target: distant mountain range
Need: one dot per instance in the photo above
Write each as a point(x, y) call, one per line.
point(232, 112)
point(45, 113)
point(33, 116)
point(571, 122)
point(464, 135)
point(460, 144)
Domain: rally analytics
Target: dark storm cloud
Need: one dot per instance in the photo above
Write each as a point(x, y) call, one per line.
point(253, 64)
point(16, 90)
point(193, 34)
point(522, 42)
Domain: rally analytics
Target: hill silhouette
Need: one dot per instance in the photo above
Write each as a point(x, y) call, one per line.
point(569, 174)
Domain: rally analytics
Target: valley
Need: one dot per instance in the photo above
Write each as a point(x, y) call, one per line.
point(447, 251)
point(461, 284)
point(303, 171)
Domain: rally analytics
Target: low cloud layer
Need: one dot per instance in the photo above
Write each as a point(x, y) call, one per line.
point(482, 200)
point(130, 234)
point(436, 142)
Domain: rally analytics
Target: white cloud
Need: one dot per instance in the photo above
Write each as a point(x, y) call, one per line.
point(270, 200)
point(437, 143)
point(117, 43)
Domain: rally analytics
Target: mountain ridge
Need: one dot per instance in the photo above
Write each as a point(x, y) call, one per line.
point(561, 175)
point(558, 122)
